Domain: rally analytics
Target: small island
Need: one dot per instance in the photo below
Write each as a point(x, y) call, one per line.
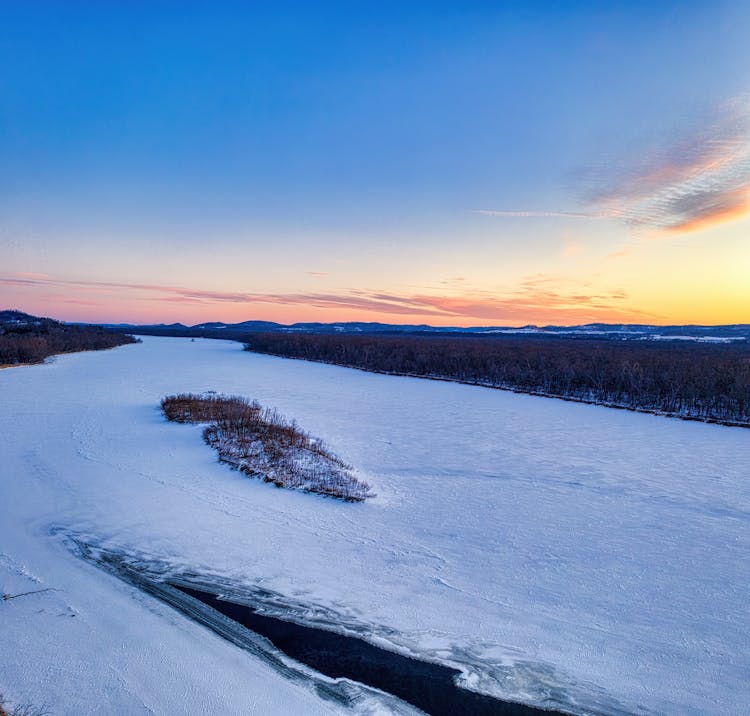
point(260, 442)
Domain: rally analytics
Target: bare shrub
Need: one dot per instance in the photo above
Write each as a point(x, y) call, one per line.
point(192, 408)
point(20, 709)
point(261, 443)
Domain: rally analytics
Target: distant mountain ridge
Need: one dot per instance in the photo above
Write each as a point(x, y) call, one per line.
point(708, 334)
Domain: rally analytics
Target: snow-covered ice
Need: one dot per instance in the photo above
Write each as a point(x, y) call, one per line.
point(555, 552)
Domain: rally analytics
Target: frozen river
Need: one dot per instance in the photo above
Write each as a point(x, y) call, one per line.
point(557, 554)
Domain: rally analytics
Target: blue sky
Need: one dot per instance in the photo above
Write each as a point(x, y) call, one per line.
point(269, 157)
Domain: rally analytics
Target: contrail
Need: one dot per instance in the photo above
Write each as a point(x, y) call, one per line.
point(539, 214)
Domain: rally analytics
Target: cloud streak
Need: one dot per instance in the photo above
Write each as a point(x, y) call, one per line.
point(700, 181)
point(538, 214)
point(539, 298)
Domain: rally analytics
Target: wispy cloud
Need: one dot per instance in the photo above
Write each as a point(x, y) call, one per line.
point(699, 181)
point(539, 214)
point(696, 182)
point(572, 248)
point(453, 281)
point(539, 298)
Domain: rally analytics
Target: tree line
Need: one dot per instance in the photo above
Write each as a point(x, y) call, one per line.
point(28, 339)
point(690, 380)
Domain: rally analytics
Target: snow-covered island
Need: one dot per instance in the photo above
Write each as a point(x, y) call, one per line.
point(556, 554)
point(261, 443)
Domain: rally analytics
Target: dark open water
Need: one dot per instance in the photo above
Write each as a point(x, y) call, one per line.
point(430, 687)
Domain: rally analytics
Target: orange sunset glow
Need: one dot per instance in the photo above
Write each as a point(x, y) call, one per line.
point(283, 197)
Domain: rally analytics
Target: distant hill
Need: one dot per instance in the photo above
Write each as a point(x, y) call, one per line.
point(12, 317)
point(215, 329)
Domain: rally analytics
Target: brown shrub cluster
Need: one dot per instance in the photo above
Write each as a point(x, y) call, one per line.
point(192, 408)
point(20, 709)
point(261, 443)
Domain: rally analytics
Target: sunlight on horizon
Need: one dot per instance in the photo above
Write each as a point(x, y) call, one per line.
point(452, 166)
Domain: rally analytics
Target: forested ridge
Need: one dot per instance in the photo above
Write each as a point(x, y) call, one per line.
point(29, 339)
point(688, 380)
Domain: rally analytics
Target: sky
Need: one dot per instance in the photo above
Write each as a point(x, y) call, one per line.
point(472, 163)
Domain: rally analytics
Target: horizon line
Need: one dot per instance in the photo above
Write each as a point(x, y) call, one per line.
point(383, 323)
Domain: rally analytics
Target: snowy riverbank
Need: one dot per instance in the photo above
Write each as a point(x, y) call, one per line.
point(557, 553)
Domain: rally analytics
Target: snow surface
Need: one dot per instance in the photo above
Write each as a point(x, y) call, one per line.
point(555, 552)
